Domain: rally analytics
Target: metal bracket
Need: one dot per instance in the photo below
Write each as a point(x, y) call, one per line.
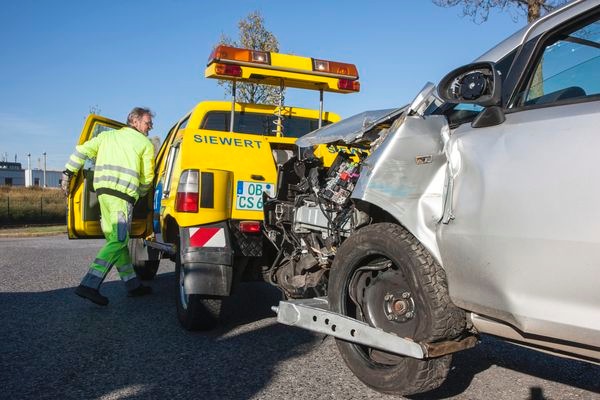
point(314, 315)
point(167, 248)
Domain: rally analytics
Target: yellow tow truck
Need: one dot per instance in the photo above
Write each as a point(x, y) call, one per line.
point(212, 170)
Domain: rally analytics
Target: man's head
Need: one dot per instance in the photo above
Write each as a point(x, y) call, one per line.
point(140, 119)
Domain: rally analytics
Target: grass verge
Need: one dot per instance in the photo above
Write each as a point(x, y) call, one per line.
point(30, 231)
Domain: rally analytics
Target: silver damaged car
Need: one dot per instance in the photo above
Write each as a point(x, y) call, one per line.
point(476, 211)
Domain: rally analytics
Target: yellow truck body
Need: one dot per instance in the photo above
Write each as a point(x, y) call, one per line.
point(212, 171)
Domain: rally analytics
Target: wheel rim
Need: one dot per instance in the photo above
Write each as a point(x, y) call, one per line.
point(379, 292)
point(183, 296)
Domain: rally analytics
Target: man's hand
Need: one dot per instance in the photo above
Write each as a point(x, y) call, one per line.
point(66, 181)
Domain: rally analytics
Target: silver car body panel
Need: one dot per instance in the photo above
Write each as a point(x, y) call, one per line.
point(405, 176)
point(504, 234)
point(524, 244)
point(508, 234)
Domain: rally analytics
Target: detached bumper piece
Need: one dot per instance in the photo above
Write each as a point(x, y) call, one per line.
point(314, 315)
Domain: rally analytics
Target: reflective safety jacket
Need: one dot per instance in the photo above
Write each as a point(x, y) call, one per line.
point(124, 162)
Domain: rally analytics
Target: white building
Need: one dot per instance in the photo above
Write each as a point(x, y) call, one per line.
point(12, 174)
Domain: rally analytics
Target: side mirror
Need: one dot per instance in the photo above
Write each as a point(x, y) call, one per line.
point(477, 83)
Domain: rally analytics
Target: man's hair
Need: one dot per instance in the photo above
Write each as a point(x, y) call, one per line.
point(138, 112)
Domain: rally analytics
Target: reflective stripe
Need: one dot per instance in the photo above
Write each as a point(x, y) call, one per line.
point(75, 165)
point(97, 272)
point(117, 168)
point(105, 178)
point(101, 262)
point(126, 272)
point(127, 268)
point(127, 278)
point(79, 154)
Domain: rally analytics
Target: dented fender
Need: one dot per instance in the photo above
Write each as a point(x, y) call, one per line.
point(408, 176)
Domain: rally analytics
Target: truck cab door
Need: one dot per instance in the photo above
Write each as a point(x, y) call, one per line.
point(83, 211)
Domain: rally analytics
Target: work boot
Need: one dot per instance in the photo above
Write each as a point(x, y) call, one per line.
point(92, 295)
point(140, 291)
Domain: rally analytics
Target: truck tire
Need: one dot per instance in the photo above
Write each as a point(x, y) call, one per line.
point(382, 275)
point(144, 268)
point(195, 312)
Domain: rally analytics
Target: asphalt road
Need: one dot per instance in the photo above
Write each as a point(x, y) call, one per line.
point(55, 345)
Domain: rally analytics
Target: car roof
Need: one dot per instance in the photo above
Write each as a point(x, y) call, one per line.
point(538, 27)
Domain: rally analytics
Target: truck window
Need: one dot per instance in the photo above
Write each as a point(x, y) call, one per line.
point(259, 124)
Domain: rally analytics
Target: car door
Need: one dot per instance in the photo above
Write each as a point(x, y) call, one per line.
point(83, 212)
point(524, 244)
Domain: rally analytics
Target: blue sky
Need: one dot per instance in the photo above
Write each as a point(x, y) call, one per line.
point(61, 58)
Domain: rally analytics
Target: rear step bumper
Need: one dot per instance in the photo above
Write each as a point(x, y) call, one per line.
point(314, 315)
point(166, 248)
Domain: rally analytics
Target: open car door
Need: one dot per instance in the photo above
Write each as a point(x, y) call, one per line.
point(83, 213)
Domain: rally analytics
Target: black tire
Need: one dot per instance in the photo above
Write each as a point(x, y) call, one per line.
point(145, 269)
point(195, 312)
point(378, 265)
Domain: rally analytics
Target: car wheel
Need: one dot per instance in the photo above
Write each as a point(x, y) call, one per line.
point(195, 312)
point(382, 275)
point(145, 269)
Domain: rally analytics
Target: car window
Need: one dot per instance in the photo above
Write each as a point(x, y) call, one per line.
point(568, 68)
point(259, 124)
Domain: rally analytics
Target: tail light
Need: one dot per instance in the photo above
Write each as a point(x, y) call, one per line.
point(187, 192)
point(228, 69)
point(345, 84)
point(250, 226)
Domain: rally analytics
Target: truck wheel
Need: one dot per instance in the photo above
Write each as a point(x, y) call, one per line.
point(144, 268)
point(382, 275)
point(195, 312)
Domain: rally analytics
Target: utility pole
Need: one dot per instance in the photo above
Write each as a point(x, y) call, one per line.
point(29, 178)
point(44, 154)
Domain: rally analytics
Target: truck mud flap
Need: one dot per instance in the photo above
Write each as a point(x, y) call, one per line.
point(207, 259)
point(208, 279)
point(314, 315)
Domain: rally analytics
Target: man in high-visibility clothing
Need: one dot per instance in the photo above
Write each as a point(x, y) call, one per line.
point(123, 173)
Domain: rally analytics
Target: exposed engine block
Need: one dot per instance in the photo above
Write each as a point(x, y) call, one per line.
point(312, 213)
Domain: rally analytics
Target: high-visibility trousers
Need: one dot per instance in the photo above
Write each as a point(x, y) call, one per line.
point(115, 221)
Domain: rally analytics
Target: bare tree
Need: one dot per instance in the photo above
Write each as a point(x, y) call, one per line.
point(479, 10)
point(253, 35)
point(95, 109)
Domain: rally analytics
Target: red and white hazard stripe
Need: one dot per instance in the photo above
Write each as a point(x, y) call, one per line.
point(207, 237)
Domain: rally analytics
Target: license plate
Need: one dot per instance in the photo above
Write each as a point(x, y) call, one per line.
point(250, 195)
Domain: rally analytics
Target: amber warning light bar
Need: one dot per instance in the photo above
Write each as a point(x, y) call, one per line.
point(269, 67)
